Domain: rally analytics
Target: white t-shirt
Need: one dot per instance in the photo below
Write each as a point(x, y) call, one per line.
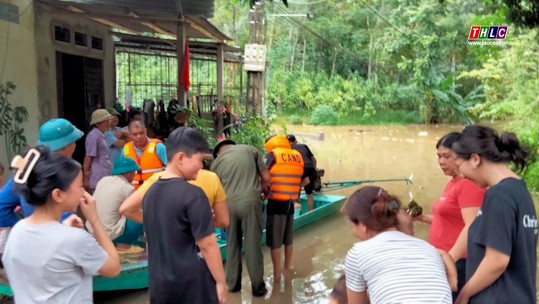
point(397, 268)
point(110, 193)
point(51, 263)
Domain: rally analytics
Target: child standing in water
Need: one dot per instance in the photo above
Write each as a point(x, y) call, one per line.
point(47, 261)
point(394, 266)
point(502, 240)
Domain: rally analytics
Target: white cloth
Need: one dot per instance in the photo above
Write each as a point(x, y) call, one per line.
point(397, 268)
point(110, 193)
point(51, 263)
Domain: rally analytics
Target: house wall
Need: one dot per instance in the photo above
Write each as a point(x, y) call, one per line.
point(18, 65)
point(28, 59)
point(46, 20)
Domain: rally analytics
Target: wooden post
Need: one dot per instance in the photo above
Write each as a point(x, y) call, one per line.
point(255, 87)
point(220, 95)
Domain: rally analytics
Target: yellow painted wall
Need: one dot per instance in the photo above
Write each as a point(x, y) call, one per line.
point(18, 64)
point(28, 58)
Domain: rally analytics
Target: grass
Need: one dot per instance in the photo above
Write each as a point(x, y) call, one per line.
point(303, 116)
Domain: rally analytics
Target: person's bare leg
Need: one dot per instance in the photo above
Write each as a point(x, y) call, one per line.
point(288, 250)
point(122, 247)
point(276, 260)
point(310, 202)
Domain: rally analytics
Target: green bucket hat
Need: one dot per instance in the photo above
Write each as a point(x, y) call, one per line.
point(113, 111)
point(57, 133)
point(124, 165)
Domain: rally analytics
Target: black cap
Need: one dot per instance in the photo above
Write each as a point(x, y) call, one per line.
point(291, 137)
point(221, 143)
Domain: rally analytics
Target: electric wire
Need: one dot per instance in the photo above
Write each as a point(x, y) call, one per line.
point(293, 21)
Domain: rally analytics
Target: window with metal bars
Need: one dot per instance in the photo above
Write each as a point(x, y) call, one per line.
point(153, 75)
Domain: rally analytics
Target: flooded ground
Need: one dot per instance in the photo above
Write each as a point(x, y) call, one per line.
point(346, 153)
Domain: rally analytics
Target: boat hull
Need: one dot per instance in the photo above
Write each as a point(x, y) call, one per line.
point(325, 205)
point(134, 273)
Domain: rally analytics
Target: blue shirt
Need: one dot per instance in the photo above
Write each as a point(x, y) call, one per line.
point(114, 151)
point(9, 200)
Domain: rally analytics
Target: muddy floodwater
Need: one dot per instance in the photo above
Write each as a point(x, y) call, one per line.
point(346, 153)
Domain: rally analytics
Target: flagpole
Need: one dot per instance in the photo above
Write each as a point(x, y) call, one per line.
point(181, 41)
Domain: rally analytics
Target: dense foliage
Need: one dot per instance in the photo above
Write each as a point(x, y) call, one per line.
point(365, 58)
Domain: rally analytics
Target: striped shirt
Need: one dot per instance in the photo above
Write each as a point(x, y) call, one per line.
point(397, 268)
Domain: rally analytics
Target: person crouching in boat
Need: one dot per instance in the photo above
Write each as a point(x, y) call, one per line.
point(286, 171)
point(393, 266)
point(47, 261)
point(110, 193)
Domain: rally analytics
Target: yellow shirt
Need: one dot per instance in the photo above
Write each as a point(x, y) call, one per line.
point(208, 181)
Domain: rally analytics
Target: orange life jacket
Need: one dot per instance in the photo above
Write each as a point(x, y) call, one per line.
point(149, 162)
point(285, 174)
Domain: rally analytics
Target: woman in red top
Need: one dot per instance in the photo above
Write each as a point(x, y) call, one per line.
point(454, 211)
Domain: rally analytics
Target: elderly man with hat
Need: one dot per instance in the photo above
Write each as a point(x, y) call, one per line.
point(60, 136)
point(109, 194)
point(243, 175)
point(97, 160)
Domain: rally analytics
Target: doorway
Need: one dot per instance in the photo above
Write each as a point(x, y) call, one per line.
point(80, 92)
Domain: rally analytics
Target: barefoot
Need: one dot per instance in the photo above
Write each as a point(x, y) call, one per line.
point(122, 247)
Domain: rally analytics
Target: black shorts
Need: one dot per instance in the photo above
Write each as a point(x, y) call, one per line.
point(279, 230)
point(311, 173)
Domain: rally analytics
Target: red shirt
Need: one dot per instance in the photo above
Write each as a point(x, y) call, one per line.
point(447, 222)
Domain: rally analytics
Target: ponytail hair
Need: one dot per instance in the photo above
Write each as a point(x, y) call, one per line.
point(50, 171)
point(447, 140)
point(486, 142)
point(373, 207)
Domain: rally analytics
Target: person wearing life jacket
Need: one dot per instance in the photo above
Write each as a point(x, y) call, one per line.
point(286, 171)
point(149, 153)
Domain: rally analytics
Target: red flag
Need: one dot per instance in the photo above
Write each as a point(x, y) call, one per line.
point(184, 75)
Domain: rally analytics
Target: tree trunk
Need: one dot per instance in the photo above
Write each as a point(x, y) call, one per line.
point(304, 50)
point(272, 26)
point(294, 44)
point(371, 46)
point(370, 51)
point(334, 60)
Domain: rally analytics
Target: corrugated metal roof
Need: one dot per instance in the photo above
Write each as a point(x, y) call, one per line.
point(139, 17)
point(132, 43)
point(174, 7)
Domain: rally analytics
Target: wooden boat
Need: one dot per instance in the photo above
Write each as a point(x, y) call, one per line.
point(134, 273)
point(324, 205)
